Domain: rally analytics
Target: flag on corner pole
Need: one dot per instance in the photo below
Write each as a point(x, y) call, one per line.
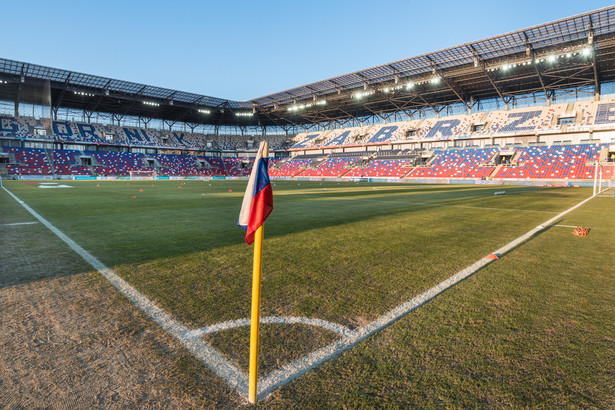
point(258, 199)
point(256, 207)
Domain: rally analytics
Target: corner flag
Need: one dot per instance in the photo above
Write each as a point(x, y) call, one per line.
point(258, 199)
point(256, 207)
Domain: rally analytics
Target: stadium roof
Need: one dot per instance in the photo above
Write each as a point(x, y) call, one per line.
point(573, 52)
point(502, 67)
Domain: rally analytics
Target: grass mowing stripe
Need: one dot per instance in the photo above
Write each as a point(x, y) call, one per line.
point(440, 203)
point(208, 355)
point(299, 367)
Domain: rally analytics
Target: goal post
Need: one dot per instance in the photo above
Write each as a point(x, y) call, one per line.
point(143, 174)
point(604, 178)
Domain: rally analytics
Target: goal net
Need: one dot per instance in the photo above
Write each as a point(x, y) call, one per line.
point(604, 179)
point(142, 174)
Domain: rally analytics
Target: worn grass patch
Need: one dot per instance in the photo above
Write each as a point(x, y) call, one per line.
point(279, 344)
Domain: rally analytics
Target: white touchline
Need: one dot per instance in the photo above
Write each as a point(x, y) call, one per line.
point(268, 384)
point(207, 354)
point(19, 223)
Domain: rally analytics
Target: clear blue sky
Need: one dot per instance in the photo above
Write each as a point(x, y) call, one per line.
point(246, 49)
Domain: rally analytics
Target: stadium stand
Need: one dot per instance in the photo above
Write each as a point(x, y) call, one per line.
point(172, 164)
point(29, 161)
point(330, 167)
point(341, 152)
point(555, 162)
point(65, 163)
point(382, 168)
point(455, 163)
point(178, 139)
point(116, 163)
point(13, 127)
point(135, 137)
point(450, 127)
point(291, 167)
point(305, 140)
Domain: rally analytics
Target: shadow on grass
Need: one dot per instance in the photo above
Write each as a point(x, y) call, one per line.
point(32, 253)
point(145, 234)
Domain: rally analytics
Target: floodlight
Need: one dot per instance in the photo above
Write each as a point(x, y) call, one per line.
point(586, 51)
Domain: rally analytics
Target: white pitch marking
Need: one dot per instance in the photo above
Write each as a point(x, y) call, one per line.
point(566, 226)
point(19, 223)
point(218, 327)
point(207, 354)
point(299, 367)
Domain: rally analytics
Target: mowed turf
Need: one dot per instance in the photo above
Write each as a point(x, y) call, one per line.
point(347, 253)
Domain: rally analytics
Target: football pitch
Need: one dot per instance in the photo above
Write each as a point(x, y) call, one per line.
point(534, 327)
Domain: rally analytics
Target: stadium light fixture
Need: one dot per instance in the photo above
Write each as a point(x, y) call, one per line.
point(297, 107)
point(551, 58)
point(409, 85)
point(83, 93)
point(204, 111)
point(244, 114)
point(151, 103)
point(435, 80)
point(360, 95)
point(586, 52)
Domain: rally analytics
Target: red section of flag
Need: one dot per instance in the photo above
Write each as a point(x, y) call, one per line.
point(261, 207)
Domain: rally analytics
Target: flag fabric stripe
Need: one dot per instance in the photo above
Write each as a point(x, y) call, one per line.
point(262, 205)
point(258, 199)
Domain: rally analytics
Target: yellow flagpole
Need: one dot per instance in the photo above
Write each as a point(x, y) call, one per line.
point(256, 299)
point(256, 307)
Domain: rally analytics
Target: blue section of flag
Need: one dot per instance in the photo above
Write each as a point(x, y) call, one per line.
point(262, 176)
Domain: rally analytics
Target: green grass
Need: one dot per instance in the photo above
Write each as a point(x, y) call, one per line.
point(533, 328)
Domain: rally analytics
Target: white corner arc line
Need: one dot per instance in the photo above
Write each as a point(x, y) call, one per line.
point(291, 371)
point(282, 320)
point(207, 354)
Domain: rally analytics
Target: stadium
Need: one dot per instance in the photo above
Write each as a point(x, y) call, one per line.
point(442, 233)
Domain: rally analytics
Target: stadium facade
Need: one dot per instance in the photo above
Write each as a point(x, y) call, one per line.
point(532, 104)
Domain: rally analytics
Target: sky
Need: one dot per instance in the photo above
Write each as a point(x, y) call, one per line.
point(241, 50)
